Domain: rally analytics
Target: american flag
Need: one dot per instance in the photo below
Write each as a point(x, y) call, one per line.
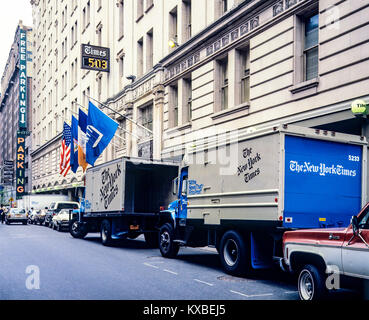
point(65, 152)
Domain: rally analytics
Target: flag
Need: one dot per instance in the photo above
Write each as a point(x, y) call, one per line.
point(82, 127)
point(100, 130)
point(74, 141)
point(65, 153)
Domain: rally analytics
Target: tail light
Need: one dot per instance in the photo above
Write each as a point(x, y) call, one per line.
point(162, 208)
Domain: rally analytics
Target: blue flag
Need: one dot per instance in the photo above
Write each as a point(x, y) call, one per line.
point(74, 146)
point(100, 130)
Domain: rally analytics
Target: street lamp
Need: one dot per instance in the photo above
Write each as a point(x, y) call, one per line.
point(172, 43)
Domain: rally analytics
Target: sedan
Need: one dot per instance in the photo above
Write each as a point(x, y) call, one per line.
point(16, 215)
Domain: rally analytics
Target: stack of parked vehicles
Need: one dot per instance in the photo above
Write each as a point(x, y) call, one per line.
point(249, 197)
point(55, 209)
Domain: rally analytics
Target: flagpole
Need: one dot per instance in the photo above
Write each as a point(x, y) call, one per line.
point(122, 115)
point(137, 137)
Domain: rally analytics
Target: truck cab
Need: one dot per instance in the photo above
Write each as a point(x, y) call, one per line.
point(327, 259)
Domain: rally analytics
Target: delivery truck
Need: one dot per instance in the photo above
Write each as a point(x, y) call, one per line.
point(123, 199)
point(39, 201)
point(242, 192)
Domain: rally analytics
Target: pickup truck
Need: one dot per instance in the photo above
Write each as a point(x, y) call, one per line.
point(331, 258)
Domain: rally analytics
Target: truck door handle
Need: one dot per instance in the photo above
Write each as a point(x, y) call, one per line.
point(206, 214)
point(215, 200)
point(332, 237)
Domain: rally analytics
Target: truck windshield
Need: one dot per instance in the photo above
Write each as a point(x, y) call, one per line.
point(67, 206)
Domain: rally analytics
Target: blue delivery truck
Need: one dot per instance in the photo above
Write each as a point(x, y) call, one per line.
point(241, 192)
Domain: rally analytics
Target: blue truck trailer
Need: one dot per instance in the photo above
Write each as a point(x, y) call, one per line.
point(240, 193)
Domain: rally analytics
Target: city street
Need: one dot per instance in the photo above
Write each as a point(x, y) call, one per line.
point(84, 269)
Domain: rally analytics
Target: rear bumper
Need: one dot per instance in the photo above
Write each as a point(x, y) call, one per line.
point(16, 220)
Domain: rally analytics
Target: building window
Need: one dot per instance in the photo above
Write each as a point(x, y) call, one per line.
point(173, 105)
point(149, 50)
point(311, 53)
point(121, 66)
point(139, 9)
point(146, 118)
point(140, 57)
point(223, 70)
point(121, 19)
point(245, 75)
point(99, 34)
point(187, 99)
point(149, 4)
point(173, 25)
point(187, 21)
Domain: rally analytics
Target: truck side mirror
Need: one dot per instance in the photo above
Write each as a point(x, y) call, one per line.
point(355, 225)
point(175, 186)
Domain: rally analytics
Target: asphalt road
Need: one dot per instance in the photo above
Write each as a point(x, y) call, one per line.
point(39, 263)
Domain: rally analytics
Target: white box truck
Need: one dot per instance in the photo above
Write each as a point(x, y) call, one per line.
point(241, 193)
point(39, 201)
point(123, 199)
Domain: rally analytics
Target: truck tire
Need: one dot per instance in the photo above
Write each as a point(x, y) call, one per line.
point(168, 248)
point(76, 229)
point(105, 232)
point(233, 253)
point(311, 283)
point(152, 239)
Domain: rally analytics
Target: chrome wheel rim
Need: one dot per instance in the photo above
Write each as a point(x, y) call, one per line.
point(306, 285)
point(104, 234)
point(230, 252)
point(165, 240)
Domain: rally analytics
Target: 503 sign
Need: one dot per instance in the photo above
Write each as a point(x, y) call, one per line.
point(95, 58)
point(95, 64)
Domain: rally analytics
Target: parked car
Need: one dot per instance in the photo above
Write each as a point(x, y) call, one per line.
point(16, 215)
point(327, 259)
point(61, 220)
point(40, 216)
point(55, 208)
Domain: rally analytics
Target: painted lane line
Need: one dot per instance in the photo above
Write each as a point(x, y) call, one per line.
point(150, 265)
point(251, 295)
point(207, 283)
point(172, 272)
point(241, 294)
point(260, 295)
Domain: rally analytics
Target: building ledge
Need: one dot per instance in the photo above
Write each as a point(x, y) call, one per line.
point(230, 111)
point(179, 128)
point(306, 85)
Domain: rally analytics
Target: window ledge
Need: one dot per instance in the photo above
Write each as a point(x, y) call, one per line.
point(227, 112)
point(313, 83)
point(149, 7)
point(179, 128)
point(139, 18)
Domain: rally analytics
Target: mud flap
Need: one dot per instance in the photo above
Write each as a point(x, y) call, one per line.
point(261, 251)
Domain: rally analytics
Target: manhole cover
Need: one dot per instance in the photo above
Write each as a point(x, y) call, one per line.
point(234, 279)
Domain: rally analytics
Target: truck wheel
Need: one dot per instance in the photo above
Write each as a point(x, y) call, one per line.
point(152, 239)
point(168, 248)
point(105, 232)
point(233, 253)
point(76, 229)
point(311, 284)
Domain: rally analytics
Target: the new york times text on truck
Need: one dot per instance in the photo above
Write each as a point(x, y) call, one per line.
point(123, 199)
point(277, 179)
